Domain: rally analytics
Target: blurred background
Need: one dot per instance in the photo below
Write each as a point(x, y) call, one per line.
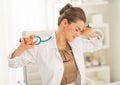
point(16, 16)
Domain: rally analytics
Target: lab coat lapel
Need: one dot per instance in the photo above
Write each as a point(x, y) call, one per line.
point(79, 58)
point(54, 45)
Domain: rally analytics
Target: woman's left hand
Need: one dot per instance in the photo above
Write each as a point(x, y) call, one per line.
point(88, 32)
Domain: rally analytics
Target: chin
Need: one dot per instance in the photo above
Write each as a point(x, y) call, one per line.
point(70, 40)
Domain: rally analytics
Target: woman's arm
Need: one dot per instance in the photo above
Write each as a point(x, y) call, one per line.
point(93, 41)
point(26, 44)
point(24, 54)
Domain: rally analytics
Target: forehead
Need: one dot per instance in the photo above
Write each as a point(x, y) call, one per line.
point(80, 24)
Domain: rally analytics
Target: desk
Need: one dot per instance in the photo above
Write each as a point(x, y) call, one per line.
point(114, 83)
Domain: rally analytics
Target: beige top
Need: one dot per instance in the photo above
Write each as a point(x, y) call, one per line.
point(70, 68)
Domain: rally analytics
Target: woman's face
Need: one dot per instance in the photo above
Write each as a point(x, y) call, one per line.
point(73, 29)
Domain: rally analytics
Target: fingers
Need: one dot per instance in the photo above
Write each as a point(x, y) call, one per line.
point(88, 32)
point(93, 35)
point(27, 43)
point(35, 42)
point(29, 40)
point(32, 36)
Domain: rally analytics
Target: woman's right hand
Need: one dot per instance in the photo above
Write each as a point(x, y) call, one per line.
point(26, 43)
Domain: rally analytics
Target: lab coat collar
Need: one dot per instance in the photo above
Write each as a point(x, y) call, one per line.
point(54, 44)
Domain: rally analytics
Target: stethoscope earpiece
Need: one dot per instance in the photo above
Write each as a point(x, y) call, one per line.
point(88, 26)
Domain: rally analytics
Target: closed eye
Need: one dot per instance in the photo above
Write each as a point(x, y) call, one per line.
point(77, 29)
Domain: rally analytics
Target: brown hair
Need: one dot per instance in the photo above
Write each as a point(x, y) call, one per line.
point(72, 14)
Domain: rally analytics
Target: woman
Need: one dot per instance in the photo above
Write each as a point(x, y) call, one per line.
point(60, 59)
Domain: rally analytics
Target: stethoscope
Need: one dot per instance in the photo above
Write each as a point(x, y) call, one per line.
point(40, 40)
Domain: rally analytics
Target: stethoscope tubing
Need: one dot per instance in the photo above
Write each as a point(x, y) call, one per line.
point(40, 40)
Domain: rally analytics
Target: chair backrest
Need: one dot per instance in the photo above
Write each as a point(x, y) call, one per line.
point(31, 72)
point(42, 33)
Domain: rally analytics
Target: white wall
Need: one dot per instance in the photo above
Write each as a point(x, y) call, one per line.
point(3, 59)
point(51, 15)
point(15, 17)
point(113, 55)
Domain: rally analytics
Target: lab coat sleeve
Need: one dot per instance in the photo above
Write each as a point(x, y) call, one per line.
point(27, 57)
point(93, 44)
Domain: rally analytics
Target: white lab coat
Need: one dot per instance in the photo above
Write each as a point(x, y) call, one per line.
point(50, 63)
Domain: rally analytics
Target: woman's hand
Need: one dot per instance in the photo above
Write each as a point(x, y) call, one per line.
point(26, 43)
point(88, 32)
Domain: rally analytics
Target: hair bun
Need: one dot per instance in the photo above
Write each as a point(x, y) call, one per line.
point(67, 6)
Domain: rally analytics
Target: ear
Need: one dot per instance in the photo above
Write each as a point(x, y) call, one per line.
point(64, 23)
